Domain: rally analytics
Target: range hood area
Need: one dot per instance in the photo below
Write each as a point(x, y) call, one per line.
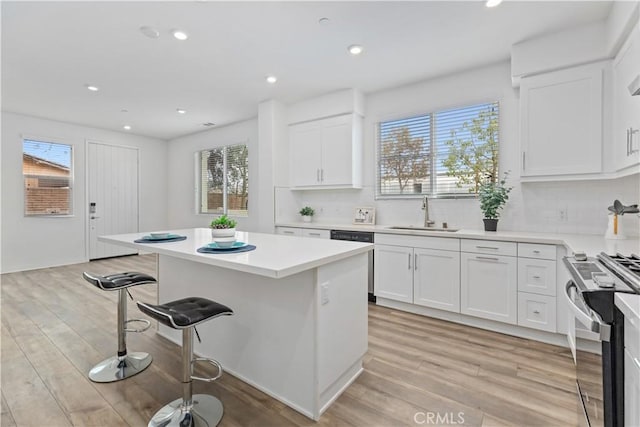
point(634, 87)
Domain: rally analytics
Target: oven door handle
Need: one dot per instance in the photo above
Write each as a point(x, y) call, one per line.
point(592, 320)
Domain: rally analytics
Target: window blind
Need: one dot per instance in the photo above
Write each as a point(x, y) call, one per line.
point(224, 180)
point(443, 153)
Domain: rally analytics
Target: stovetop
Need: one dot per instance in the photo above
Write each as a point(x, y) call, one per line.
point(615, 273)
point(627, 268)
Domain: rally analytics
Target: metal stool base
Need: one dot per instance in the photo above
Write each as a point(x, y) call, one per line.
point(115, 369)
point(206, 411)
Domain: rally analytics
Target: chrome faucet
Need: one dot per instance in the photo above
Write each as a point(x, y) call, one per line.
point(425, 207)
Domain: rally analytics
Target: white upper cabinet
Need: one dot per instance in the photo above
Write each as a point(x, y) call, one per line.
point(562, 121)
point(626, 117)
point(326, 153)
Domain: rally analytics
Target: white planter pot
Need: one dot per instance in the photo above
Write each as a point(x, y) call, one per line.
point(306, 218)
point(223, 232)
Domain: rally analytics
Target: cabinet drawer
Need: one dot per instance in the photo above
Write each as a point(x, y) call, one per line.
point(632, 336)
point(289, 231)
point(532, 250)
point(537, 276)
point(441, 243)
point(489, 247)
point(318, 234)
point(537, 311)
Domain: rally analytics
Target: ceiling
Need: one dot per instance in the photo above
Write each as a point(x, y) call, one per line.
point(51, 50)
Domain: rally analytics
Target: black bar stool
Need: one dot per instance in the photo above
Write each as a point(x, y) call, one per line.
point(123, 365)
point(190, 410)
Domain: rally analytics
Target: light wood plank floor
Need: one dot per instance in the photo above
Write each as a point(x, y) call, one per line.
point(418, 370)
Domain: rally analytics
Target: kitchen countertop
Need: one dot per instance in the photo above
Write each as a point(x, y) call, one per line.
point(629, 305)
point(590, 243)
point(275, 256)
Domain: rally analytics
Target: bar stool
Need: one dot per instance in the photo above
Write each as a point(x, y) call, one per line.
point(190, 410)
point(124, 364)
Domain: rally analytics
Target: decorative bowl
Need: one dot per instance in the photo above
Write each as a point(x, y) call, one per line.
point(225, 242)
point(160, 235)
point(223, 232)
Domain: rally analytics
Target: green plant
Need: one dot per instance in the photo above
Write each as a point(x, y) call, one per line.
point(307, 211)
point(493, 196)
point(223, 222)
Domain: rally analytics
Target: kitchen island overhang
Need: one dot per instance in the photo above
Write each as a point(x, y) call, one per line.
point(299, 332)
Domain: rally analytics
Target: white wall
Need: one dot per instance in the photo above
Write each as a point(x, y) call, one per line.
point(182, 190)
point(37, 242)
point(532, 206)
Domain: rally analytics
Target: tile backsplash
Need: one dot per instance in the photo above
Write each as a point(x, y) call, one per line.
point(577, 207)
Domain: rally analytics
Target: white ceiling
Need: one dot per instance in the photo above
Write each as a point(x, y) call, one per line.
point(50, 50)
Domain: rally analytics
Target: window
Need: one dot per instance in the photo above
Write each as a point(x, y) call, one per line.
point(446, 153)
point(224, 180)
point(46, 169)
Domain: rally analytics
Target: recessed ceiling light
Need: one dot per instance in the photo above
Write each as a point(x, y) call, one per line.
point(355, 49)
point(126, 127)
point(150, 32)
point(92, 88)
point(324, 21)
point(272, 79)
point(181, 111)
point(179, 34)
point(493, 3)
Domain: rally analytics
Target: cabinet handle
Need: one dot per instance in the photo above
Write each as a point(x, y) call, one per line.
point(524, 160)
point(488, 258)
point(487, 247)
point(321, 175)
point(317, 175)
point(536, 277)
point(415, 262)
point(632, 132)
point(409, 261)
point(536, 251)
point(287, 232)
point(536, 312)
point(628, 141)
point(314, 234)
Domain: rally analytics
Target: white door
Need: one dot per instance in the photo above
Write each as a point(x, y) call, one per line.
point(393, 278)
point(489, 287)
point(437, 279)
point(113, 196)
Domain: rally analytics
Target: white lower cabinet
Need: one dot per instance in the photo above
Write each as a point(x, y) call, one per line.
point(289, 231)
point(631, 389)
point(537, 311)
point(489, 287)
point(315, 233)
point(393, 277)
point(436, 279)
point(537, 276)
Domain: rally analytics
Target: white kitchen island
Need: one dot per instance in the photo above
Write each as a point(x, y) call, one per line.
point(299, 329)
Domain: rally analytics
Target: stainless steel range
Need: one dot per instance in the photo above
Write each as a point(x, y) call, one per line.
point(590, 294)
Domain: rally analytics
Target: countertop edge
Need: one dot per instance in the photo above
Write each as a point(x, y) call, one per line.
point(629, 305)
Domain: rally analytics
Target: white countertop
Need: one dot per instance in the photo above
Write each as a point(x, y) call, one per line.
point(275, 256)
point(629, 305)
point(591, 244)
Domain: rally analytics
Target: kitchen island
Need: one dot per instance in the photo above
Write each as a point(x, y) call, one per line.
point(299, 329)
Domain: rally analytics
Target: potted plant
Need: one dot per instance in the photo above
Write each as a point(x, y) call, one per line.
point(307, 212)
point(223, 226)
point(493, 195)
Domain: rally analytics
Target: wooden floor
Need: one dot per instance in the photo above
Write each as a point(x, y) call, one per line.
point(418, 370)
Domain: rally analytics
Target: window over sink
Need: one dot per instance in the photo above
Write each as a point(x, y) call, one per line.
point(223, 180)
point(446, 153)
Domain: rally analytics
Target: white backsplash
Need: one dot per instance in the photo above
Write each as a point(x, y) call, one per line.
point(576, 207)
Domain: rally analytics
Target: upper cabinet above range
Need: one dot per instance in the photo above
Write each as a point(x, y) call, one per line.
point(326, 153)
point(626, 108)
point(562, 122)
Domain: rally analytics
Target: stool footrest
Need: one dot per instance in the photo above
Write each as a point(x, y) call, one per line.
point(211, 361)
point(144, 328)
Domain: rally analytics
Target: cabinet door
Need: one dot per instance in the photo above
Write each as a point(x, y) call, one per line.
point(489, 287)
point(393, 278)
point(631, 389)
point(626, 115)
point(436, 279)
point(337, 151)
point(561, 122)
point(305, 149)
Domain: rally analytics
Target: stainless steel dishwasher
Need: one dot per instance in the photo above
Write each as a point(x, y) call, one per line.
point(358, 236)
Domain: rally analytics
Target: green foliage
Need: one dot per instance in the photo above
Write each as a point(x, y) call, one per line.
point(223, 222)
point(403, 157)
point(307, 211)
point(474, 158)
point(493, 195)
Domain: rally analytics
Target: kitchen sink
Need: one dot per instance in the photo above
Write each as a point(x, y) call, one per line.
point(410, 227)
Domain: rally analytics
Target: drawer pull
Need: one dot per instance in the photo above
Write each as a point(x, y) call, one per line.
point(488, 258)
point(288, 232)
point(536, 311)
point(314, 234)
point(536, 251)
point(487, 247)
point(536, 277)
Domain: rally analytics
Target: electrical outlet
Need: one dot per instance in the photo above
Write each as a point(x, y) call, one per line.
point(563, 214)
point(324, 293)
